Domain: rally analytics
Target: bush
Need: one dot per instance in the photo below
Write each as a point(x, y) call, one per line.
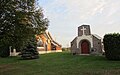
point(112, 46)
point(30, 51)
point(66, 49)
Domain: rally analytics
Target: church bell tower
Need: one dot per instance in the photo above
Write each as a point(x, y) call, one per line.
point(84, 30)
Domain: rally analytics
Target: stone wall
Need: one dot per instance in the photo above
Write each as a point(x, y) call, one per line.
point(74, 46)
point(97, 45)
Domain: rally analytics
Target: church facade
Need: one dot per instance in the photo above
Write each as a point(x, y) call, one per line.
point(85, 42)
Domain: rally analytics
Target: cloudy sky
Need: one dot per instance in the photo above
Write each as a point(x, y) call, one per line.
point(65, 16)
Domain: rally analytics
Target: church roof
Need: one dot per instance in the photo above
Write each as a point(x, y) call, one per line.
point(97, 36)
point(84, 25)
point(74, 39)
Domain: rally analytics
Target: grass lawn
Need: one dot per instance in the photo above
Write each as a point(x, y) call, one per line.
point(60, 64)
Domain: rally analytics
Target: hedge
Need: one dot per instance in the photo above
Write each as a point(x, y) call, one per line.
point(112, 46)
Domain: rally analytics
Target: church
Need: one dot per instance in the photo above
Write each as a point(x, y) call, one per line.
point(46, 44)
point(86, 43)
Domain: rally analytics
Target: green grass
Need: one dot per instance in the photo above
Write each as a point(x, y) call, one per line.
point(60, 64)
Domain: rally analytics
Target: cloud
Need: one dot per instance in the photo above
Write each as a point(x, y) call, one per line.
point(99, 7)
point(79, 9)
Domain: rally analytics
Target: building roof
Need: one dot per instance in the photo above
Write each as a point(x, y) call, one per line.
point(48, 35)
point(74, 39)
point(97, 36)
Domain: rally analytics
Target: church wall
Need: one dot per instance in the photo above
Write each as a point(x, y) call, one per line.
point(49, 46)
point(74, 46)
point(97, 45)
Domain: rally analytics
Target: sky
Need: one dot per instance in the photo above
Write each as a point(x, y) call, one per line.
point(66, 16)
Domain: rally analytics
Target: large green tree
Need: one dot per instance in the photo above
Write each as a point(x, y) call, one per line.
point(19, 22)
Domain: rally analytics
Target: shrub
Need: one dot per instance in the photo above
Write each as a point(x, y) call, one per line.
point(30, 51)
point(112, 46)
point(66, 49)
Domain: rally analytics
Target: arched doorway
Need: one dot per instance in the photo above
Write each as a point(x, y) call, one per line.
point(85, 47)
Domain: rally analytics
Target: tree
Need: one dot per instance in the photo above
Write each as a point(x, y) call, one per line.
point(30, 50)
point(19, 22)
